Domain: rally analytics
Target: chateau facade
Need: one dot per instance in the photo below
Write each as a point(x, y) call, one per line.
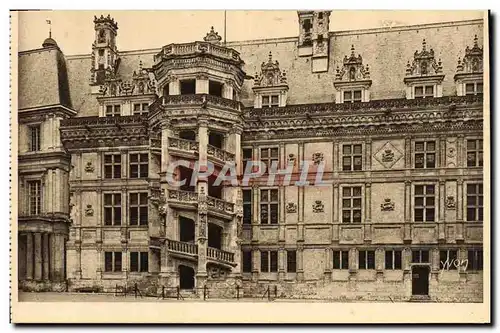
point(393, 116)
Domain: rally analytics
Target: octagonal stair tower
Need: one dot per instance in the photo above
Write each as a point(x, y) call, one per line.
point(196, 121)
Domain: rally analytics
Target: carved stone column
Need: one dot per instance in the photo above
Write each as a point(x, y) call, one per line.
point(407, 214)
point(38, 256)
point(441, 218)
point(300, 262)
point(45, 256)
point(29, 256)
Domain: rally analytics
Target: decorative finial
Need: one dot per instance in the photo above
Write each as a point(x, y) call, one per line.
point(49, 22)
point(475, 41)
point(352, 50)
point(270, 57)
point(423, 45)
point(140, 65)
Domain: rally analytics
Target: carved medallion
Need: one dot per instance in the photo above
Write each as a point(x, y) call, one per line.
point(89, 167)
point(387, 205)
point(317, 158)
point(89, 211)
point(318, 207)
point(291, 207)
point(450, 202)
point(388, 155)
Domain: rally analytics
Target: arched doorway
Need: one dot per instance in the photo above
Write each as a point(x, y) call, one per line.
point(214, 236)
point(186, 277)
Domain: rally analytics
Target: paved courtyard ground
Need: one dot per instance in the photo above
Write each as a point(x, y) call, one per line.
point(97, 297)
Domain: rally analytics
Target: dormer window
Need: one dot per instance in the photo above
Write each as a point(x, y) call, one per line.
point(424, 91)
point(469, 76)
point(351, 96)
point(424, 75)
point(270, 101)
point(474, 88)
point(352, 81)
point(270, 85)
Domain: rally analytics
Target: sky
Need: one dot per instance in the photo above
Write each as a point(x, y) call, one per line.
point(74, 30)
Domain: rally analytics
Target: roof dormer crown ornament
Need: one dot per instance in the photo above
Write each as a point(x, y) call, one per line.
point(353, 68)
point(212, 37)
point(472, 62)
point(424, 63)
point(270, 74)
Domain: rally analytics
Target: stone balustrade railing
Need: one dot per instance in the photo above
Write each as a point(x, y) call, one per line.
point(183, 196)
point(220, 154)
point(200, 100)
point(197, 47)
point(221, 205)
point(183, 247)
point(220, 255)
point(183, 144)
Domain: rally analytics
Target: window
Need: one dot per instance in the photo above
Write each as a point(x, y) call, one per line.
point(320, 16)
point(447, 259)
point(340, 259)
point(113, 110)
point(475, 260)
point(268, 156)
point(188, 87)
point(424, 203)
point(351, 96)
point(474, 88)
point(34, 144)
point(475, 153)
point(112, 209)
point(112, 261)
point(352, 159)
point(215, 88)
point(474, 202)
point(141, 108)
point(270, 101)
point(247, 156)
point(138, 261)
point(268, 261)
point(291, 261)
point(166, 89)
point(139, 165)
point(112, 166)
point(247, 261)
point(187, 135)
point(138, 209)
point(247, 206)
point(34, 197)
point(269, 206)
point(393, 259)
point(420, 256)
point(424, 91)
point(351, 204)
point(366, 259)
point(425, 154)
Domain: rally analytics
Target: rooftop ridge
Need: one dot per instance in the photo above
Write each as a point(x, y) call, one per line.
point(289, 39)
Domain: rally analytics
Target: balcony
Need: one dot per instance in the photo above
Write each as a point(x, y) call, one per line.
point(183, 147)
point(219, 205)
point(182, 199)
point(220, 256)
point(200, 100)
point(187, 250)
point(220, 155)
point(198, 47)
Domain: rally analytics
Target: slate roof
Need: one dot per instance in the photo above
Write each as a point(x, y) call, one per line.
point(385, 50)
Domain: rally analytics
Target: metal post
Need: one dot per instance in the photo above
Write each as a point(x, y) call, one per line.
point(135, 290)
point(204, 292)
point(275, 291)
point(268, 293)
point(178, 292)
point(162, 292)
point(237, 292)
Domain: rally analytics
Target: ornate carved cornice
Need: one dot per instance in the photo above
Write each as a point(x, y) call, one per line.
point(86, 132)
point(386, 105)
point(270, 75)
